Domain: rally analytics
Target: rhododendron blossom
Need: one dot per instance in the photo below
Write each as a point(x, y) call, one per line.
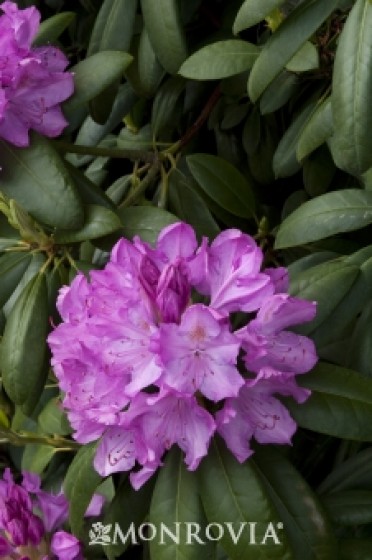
point(32, 79)
point(31, 521)
point(147, 355)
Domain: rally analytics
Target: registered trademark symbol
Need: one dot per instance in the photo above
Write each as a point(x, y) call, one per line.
point(279, 525)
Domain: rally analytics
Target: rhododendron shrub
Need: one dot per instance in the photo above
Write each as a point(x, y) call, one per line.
point(148, 354)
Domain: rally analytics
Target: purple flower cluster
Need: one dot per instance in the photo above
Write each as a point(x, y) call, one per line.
point(143, 367)
point(32, 80)
point(31, 521)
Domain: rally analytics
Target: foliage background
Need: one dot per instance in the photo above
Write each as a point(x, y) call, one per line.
point(253, 114)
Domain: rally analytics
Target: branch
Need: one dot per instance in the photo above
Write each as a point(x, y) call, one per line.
point(133, 155)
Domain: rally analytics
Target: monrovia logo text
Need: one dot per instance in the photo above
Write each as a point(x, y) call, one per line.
point(188, 533)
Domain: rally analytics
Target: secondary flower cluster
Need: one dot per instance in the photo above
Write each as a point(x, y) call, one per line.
point(143, 367)
point(31, 521)
point(32, 80)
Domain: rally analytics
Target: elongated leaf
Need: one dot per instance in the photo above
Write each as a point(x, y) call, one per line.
point(352, 91)
point(286, 41)
point(332, 213)
point(88, 191)
point(318, 172)
point(353, 474)
point(12, 268)
point(278, 92)
point(165, 102)
point(80, 484)
point(35, 264)
point(51, 28)
point(176, 500)
point(164, 28)
point(220, 60)
point(252, 12)
point(23, 348)
point(285, 162)
point(309, 531)
point(340, 404)
point(150, 71)
point(145, 221)
point(52, 419)
point(38, 180)
point(223, 183)
point(36, 457)
point(327, 284)
point(113, 28)
point(94, 74)
point(305, 59)
point(99, 221)
point(317, 130)
point(349, 507)
point(233, 492)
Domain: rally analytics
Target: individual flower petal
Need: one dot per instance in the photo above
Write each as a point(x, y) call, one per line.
point(95, 507)
point(282, 311)
point(54, 509)
point(65, 546)
point(279, 277)
point(200, 355)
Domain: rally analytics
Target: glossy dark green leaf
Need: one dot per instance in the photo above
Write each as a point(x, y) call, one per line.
point(327, 284)
point(137, 505)
point(114, 25)
point(317, 129)
point(318, 172)
point(36, 457)
point(38, 180)
point(165, 102)
point(140, 140)
point(295, 30)
point(285, 162)
point(352, 91)
point(190, 207)
point(145, 221)
point(23, 348)
point(53, 420)
point(88, 191)
point(252, 132)
point(340, 404)
point(326, 215)
point(220, 60)
point(99, 221)
point(34, 266)
point(12, 268)
point(150, 71)
point(119, 189)
point(164, 27)
point(176, 500)
point(252, 12)
point(309, 531)
point(279, 92)
point(349, 507)
point(50, 29)
point(80, 483)
point(223, 183)
point(234, 492)
point(93, 75)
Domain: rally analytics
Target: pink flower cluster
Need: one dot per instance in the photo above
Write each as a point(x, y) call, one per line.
point(32, 80)
point(147, 356)
point(30, 518)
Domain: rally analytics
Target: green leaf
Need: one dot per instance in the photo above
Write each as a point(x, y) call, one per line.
point(51, 28)
point(137, 504)
point(340, 404)
point(80, 483)
point(35, 264)
point(355, 549)
point(223, 183)
point(284, 43)
point(353, 474)
point(233, 492)
point(327, 284)
point(114, 25)
point(349, 507)
point(23, 350)
point(12, 268)
point(36, 457)
point(305, 59)
point(285, 162)
point(252, 12)
point(176, 500)
point(326, 215)
point(99, 221)
point(38, 180)
point(164, 27)
point(165, 103)
point(88, 191)
point(220, 60)
point(145, 221)
point(53, 420)
point(93, 75)
point(308, 529)
point(150, 71)
point(190, 207)
point(317, 130)
point(279, 92)
point(140, 140)
point(352, 91)
point(318, 172)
